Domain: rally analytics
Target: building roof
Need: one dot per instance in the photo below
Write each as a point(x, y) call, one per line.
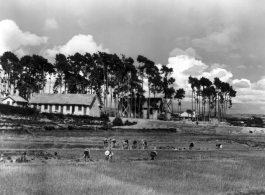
point(16, 98)
point(63, 99)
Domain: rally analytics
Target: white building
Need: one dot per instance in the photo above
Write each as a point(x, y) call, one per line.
point(187, 115)
point(15, 101)
point(76, 104)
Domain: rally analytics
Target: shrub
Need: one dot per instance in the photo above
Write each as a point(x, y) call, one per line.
point(104, 117)
point(128, 123)
point(49, 128)
point(117, 122)
point(70, 127)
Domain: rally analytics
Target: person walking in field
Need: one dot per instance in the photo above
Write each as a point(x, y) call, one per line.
point(191, 145)
point(134, 146)
point(144, 144)
point(219, 146)
point(109, 155)
point(113, 143)
point(86, 155)
point(153, 155)
point(105, 142)
point(125, 144)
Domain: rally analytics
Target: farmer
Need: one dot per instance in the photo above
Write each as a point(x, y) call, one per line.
point(191, 145)
point(105, 142)
point(86, 155)
point(23, 157)
point(125, 144)
point(153, 155)
point(144, 144)
point(134, 144)
point(113, 143)
point(219, 146)
point(109, 154)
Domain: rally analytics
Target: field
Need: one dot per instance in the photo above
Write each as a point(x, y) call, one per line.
point(237, 168)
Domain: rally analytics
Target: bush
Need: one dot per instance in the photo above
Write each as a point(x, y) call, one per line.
point(117, 122)
point(70, 127)
point(49, 128)
point(104, 117)
point(128, 123)
point(13, 110)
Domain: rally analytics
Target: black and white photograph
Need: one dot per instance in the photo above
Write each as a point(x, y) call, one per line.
point(132, 97)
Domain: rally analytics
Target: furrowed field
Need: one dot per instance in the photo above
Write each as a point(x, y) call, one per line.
point(237, 168)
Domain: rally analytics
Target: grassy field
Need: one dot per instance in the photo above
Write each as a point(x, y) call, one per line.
point(238, 168)
point(218, 174)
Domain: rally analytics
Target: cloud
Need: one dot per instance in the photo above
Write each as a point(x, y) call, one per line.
point(216, 65)
point(260, 66)
point(188, 52)
point(242, 83)
point(13, 39)
point(224, 40)
point(21, 52)
point(259, 85)
point(184, 66)
point(241, 66)
point(221, 73)
point(79, 43)
point(51, 23)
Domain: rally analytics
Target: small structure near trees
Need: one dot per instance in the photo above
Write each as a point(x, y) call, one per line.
point(15, 101)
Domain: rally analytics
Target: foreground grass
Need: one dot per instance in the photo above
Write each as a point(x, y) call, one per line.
point(214, 176)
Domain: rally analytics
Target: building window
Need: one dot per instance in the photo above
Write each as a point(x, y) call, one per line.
point(45, 107)
point(56, 107)
point(8, 102)
point(67, 108)
point(79, 108)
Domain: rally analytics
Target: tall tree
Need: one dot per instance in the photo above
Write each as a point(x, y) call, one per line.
point(12, 67)
point(179, 95)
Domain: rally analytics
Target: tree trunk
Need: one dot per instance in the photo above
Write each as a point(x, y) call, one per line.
point(148, 112)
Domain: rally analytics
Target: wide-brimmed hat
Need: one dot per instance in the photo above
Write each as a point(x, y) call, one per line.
point(107, 152)
point(86, 149)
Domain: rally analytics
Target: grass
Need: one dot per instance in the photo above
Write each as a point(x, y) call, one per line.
point(235, 170)
point(213, 176)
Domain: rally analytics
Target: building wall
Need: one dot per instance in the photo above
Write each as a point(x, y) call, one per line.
point(65, 111)
point(154, 115)
point(13, 103)
point(94, 110)
point(8, 101)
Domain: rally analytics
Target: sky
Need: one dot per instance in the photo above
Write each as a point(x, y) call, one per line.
point(207, 38)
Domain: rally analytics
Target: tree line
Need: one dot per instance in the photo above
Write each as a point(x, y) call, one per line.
point(217, 95)
point(107, 75)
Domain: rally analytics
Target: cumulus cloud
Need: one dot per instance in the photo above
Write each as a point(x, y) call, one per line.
point(51, 23)
point(13, 39)
point(259, 85)
point(188, 52)
point(221, 73)
point(242, 83)
point(79, 43)
point(223, 40)
point(184, 66)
